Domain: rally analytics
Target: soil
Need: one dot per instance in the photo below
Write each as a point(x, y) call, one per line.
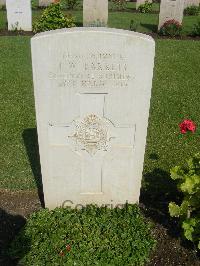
point(15, 208)
point(152, 34)
point(15, 33)
point(183, 37)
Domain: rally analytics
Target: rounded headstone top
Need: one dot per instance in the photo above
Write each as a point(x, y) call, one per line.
point(95, 30)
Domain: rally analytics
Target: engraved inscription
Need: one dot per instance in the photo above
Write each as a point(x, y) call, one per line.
point(92, 134)
point(92, 70)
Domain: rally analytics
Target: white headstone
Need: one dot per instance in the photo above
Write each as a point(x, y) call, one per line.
point(92, 98)
point(95, 13)
point(192, 3)
point(141, 2)
point(19, 15)
point(2, 2)
point(45, 2)
point(171, 9)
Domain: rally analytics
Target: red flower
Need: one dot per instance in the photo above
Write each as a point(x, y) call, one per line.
point(187, 125)
point(68, 247)
point(172, 21)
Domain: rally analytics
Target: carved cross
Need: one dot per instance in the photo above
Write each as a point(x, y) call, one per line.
point(91, 137)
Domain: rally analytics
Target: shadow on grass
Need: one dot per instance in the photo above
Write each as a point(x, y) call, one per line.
point(31, 143)
point(153, 28)
point(158, 190)
point(9, 227)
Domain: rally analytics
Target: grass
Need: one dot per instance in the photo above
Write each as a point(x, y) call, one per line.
point(175, 96)
point(17, 111)
point(91, 236)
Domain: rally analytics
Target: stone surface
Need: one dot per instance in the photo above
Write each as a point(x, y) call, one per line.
point(95, 13)
point(92, 98)
point(192, 3)
point(19, 15)
point(2, 2)
point(45, 2)
point(141, 2)
point(171, 9)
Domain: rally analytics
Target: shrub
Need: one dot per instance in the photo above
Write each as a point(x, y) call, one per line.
point(196, 29)
point(90, 236)
point(145, 8)
point(188, 182)
point(53, 18)
point(192, 10)
point(171, 28)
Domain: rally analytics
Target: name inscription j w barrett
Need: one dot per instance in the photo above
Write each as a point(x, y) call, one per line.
point(93, 70)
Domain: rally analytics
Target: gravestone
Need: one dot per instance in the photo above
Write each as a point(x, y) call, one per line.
point(44, 3)
point(192, 3)
point(19, 15)
point(92, 98)
point(95, 13)
point(141, 2)
point(171, 9)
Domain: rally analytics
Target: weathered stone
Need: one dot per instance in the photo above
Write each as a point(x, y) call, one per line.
point(171, 9)
point(2, 2)
point(95, 13)
point(45, 2)
point(19, 15)
point(92, 98)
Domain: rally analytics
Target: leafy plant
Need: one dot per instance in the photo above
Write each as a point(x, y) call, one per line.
point(118, 4)
point(146, 7)
point(196, 29)
point(188, 182)
point(192, 10)
point(90, 236)
point(53, 18)
point(171, 28)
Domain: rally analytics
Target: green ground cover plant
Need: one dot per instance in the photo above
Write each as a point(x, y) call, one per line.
point(90, 236)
